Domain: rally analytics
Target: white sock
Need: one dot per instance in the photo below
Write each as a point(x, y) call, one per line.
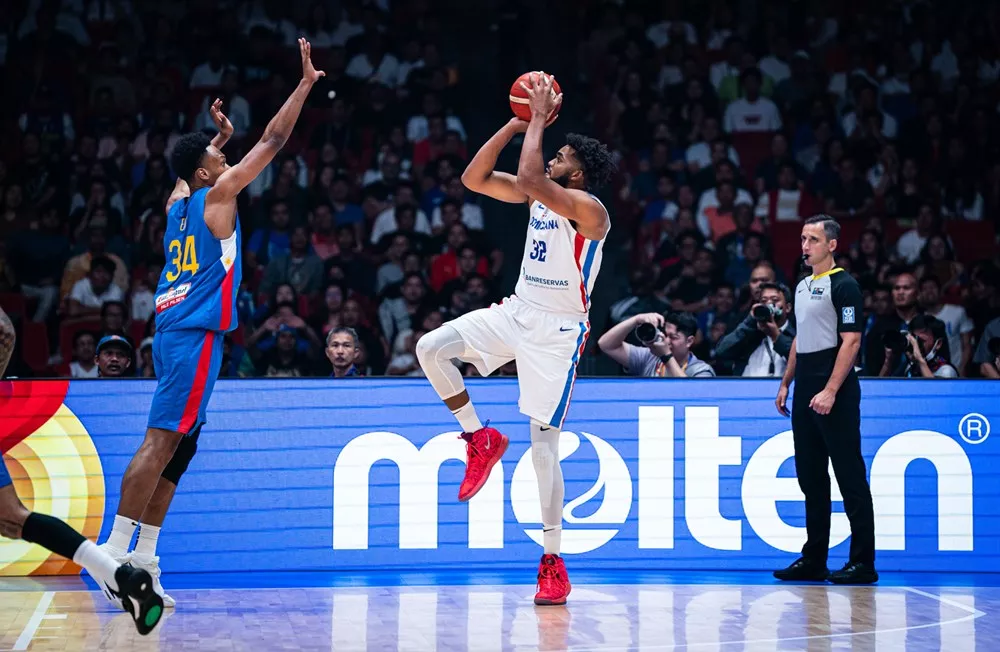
point(145, 547)
point(467, 418)
point(552, 539)
point(98, 563)
point(121, 533)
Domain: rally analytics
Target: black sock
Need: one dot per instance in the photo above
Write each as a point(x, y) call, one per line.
point(52, 534)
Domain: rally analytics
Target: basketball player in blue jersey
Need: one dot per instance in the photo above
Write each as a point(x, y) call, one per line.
point(195, 308)
point(119, 580)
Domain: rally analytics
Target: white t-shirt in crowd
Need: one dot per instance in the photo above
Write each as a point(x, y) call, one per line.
point(83, 292)
point(744, 116)
point(76, 371)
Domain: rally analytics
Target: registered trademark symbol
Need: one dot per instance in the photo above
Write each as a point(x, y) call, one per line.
point(974, 428)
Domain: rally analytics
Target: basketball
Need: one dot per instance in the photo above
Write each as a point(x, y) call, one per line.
point(519, 98)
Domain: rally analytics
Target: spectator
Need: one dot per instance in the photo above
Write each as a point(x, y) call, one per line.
point(988, 351)
point(323, 239)
point(146, 367)
point(300, 268)
point(113, 318)
point(938, 258)
point(36, 258)
point(722, 310)
point(472, 215)
point(665, 353)
point(84, 363)
point(957, 324)
point(752, 113)
point(285, 359)
point(78, 266)
point(396, 314)
point(386, 222)
point(342, 348)
point(905, 308)
point(374, 64)
point(921, 353)
point(404, 360)
point(911, 243)
point(691, 293)
point(114, 356)
point(761, 344)
point(273, 240)
point(391, 271)
point(209, 74)
point(91, 292)
point(851, 196)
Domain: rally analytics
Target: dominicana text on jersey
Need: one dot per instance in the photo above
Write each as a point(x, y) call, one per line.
point(200, 280)
point(559, 266)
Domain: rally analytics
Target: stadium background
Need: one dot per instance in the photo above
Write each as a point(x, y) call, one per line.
point(92, 88)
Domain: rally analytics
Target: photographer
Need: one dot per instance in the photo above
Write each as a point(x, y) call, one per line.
point(760, 344)
point(920, 352)
point(665, 352)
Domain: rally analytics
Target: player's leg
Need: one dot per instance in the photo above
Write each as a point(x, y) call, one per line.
point(481, 338)
point(134, 587)
point(547, 364)
point(811, 469)
point(435, 351)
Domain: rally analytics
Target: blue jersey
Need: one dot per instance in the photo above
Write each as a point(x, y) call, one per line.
point(200, 281)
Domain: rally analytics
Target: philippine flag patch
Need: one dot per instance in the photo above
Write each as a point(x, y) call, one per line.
point(847, 315)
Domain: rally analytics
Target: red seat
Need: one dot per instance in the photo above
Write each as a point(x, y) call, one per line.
point(137, 330)
point(35, 347)
point(13, 303)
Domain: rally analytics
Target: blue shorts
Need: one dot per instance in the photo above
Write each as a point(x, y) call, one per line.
point(187, 364)
point(4, 476)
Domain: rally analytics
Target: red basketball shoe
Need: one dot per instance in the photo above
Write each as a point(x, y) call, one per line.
point(553, 582)
point(483, 449)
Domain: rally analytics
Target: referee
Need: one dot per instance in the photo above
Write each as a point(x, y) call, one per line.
point(826, 410)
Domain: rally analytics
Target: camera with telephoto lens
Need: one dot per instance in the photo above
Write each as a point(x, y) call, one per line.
point(646, 333)
point(765, 312)
point(895, 341)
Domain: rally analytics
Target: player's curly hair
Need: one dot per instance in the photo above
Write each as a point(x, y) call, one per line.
point(186, 157)
point(596, 161)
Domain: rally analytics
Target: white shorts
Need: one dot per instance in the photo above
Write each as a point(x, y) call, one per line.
point(547, 347)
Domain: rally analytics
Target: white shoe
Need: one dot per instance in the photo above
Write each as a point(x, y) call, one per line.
point(121, 557)
point(152, 566)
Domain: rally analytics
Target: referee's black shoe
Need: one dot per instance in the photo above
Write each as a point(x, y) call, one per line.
point(803, 570)
point(855, 572)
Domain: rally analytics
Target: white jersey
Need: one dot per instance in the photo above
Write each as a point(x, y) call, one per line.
point(559, 265)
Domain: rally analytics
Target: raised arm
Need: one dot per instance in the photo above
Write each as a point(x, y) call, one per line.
point(275, 135)
point(222, 123)
point(480, 176)
point(576, 205)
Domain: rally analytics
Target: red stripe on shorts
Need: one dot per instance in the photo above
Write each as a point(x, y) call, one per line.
point(193, 405)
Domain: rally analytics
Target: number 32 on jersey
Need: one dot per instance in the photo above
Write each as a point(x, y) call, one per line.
point(538, 250)
point(182, 261)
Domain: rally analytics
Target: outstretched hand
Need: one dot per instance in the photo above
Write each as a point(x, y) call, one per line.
point(309, 73)
point(222, 123)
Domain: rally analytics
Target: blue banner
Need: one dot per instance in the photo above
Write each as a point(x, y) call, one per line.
point(363, 474)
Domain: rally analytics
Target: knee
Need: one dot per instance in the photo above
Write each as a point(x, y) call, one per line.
point(160, 444)
point(542, 455)
point(181, 458)
point(426, 347)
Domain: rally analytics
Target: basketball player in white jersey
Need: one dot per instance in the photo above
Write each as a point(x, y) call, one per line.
point(544, 324)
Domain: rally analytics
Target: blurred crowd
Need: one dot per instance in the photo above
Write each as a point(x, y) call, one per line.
point(732, 121)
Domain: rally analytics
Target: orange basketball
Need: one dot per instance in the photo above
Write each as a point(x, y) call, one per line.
point(519, 98)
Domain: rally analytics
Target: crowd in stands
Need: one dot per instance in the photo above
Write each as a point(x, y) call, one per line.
point(732, 121)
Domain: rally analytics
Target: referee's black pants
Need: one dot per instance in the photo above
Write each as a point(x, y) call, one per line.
point(819, 440)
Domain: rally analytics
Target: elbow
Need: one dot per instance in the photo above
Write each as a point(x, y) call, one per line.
point(470, 181)
point(604, 343)
point(526, 182)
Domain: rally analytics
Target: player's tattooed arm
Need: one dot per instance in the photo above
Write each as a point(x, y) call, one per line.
point(6, 341)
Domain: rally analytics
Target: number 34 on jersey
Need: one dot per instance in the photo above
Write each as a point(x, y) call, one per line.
point(181, 258)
